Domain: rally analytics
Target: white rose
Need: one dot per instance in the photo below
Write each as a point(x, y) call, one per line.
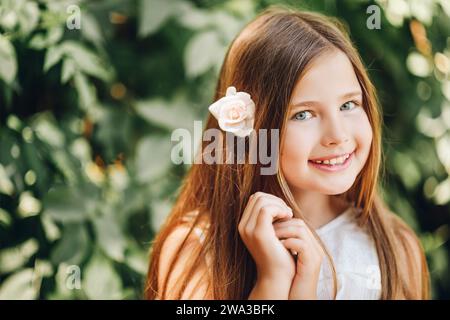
point(235, 112)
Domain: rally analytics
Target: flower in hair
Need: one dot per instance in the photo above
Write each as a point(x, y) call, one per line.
point(235, 112)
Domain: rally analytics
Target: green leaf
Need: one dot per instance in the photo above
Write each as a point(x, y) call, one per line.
point(68, 70)
point(67, 278)
point(227, 24)
point(153, 157)
point(6, 186)
point(8, 62)
point(28, 17)
point(51, 230)
point(91, 29)
point(14, 258)
point(100, 280)
point(81, 149)
point(203, 52)
point(73, 245)
point(160, 210)
point(28, 205)
point(18, 286)
point(47, 129)
point(65, 204)
point(153, 14)
point(86, 60)
point(137, 260)
point(52, 57)
point(5, 218)
point(86, 92)
point(38, 42)
point(170, 114)
point(32, 158)
point(110, 236)
point(194, 18)
point(8, 19)
point(42, 41)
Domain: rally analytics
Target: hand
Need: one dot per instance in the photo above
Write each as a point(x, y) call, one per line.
point(273, 260)
point(296, 236)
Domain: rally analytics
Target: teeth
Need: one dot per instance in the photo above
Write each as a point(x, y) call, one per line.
point(334, 161)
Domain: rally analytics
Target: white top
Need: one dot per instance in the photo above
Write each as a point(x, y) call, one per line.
point(355, 259)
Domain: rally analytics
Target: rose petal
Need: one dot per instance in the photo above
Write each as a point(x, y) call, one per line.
point(244, 132)
point(231, 127)
point(228, 120)
point(251, 110)
point(236, 113)
point(215, 108)
point(238, 105)
point(244, 96)
point(231, 91)
point(250, 123)
point(228, 104)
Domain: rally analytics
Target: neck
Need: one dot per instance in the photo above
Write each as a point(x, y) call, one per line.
point(317, 208)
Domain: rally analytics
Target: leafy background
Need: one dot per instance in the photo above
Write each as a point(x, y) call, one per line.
point(86, 117)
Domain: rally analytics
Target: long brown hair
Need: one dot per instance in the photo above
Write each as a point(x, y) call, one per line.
point(266, 60)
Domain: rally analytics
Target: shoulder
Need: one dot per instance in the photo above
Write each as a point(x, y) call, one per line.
point(177, 256)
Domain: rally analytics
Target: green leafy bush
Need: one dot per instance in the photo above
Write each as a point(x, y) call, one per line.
point(86, 116)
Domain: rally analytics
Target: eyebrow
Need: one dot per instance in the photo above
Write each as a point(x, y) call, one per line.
point(317, 103)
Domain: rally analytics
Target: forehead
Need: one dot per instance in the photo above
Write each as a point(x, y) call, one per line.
point(329, 75)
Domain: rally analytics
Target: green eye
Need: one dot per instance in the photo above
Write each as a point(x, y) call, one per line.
point(302, 115)
point(349, 105)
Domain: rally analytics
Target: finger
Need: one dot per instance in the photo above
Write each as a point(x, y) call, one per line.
point(293, 252)
point(253, 200)
point(269, 195)
point(268, 214)
point(295, 224)
point(297, 245)
point(262, 202)
point(290, 222)
point(299, 232)
point(309, 236)
point(297, 228)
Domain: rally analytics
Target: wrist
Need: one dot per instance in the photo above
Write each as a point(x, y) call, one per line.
point(266, 288)
point(303, 288)
point(275, 277)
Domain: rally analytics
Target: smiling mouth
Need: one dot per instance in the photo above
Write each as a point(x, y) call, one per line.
point(335, 164)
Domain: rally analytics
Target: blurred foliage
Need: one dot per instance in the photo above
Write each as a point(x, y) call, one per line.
point(86, 116)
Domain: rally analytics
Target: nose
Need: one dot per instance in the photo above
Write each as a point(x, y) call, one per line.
point(335, 132)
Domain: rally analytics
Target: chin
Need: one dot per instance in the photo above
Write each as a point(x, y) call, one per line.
point(335, 193)
point(336, 190)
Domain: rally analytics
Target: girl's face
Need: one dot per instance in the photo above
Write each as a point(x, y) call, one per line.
point(326, 120)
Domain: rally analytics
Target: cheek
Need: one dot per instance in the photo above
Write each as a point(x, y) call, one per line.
point(296, 147)
point(362, 132)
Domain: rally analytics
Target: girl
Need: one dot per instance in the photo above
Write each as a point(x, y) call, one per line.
point(317, 229)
